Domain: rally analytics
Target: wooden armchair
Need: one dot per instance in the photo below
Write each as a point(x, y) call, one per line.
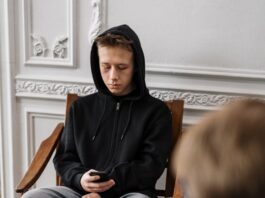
point(48, 146)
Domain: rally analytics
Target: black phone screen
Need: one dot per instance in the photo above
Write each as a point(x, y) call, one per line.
point(103, 175)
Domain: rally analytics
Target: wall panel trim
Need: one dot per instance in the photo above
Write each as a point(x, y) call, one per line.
point(47, 88)
point(8, 150)
point(67, 40)
point(188, 70)
point(30, 114)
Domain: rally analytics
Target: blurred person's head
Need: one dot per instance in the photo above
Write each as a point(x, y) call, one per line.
point(224, 155)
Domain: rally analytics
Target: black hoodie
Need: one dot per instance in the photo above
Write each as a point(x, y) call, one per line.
point(128, 136)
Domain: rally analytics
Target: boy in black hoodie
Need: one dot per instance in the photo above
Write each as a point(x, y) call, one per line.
point(120, 130)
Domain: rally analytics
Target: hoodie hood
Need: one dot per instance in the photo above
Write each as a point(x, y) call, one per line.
point(139, 62)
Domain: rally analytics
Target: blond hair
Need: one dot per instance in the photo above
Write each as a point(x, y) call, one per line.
point(114, 40)
point(224, 155)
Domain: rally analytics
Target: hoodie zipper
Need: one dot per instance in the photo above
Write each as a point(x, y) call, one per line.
point(114, 137)
point(118, 106)
point(119, 140)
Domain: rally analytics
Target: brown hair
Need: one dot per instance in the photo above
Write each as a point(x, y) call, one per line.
point(113, 40)
point(224, 155)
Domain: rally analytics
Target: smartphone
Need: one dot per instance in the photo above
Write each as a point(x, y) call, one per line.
point(103, 175)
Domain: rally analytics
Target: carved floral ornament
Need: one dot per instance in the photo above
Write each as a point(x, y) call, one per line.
point(45, 88)
point(59, 48)
point(50, 88)
point(192, 98)
point(39, 46)
point(96, 19)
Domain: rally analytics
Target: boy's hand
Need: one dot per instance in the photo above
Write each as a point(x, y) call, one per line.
point(89, 183)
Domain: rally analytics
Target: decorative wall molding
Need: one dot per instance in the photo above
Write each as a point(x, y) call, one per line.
point(193, 98)
point(60, 47)
point(97, 19)
point(39, 47)
point(46, 88)
point(30, 115)
point(35, 50)
point(58, 90)
point(196, 70)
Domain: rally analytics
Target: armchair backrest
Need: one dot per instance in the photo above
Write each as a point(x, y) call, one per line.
point(176, 107)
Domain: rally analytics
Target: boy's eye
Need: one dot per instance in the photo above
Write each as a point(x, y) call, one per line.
point(106, 67)
point(122, 67)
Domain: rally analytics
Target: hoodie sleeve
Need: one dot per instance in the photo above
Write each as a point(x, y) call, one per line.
point(66, 160)
point(143, 172)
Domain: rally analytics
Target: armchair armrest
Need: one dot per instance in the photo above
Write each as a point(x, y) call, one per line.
point(40, 159)
point(177, 191)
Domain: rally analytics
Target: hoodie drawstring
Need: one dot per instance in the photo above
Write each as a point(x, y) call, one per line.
point(101, 117)
point(99, 121)
point(128, 121)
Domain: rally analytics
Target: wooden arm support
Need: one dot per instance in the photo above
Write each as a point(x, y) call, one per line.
point(40, 159)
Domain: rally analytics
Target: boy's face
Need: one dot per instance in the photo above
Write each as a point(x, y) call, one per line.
point(116, 68)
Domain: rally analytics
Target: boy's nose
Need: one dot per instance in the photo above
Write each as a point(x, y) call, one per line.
point(113, 74)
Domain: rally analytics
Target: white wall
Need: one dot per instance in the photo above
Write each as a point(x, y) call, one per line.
point(206, 52)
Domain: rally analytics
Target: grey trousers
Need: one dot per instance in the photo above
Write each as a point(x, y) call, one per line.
point(65, 192)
